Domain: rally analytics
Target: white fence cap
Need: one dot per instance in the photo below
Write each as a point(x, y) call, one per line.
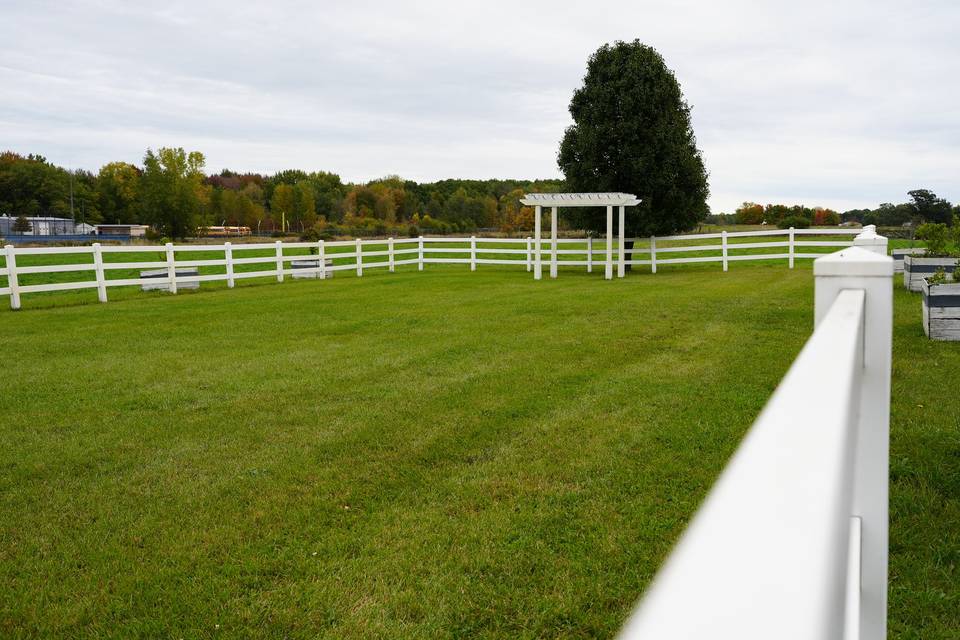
point(854, 261)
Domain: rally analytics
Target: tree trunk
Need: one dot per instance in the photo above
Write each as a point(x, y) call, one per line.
point(628, 254)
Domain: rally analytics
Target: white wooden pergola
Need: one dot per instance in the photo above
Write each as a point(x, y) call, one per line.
point(557, 200)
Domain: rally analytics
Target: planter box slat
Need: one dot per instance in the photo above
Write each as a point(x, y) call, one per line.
point(941, 310)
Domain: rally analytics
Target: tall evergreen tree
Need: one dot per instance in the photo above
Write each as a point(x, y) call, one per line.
point(631, 132)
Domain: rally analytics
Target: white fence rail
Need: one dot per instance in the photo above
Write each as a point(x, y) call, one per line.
point(791, 542)
point(359, 255)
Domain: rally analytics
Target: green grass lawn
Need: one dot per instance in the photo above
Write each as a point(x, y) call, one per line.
point(441, 454)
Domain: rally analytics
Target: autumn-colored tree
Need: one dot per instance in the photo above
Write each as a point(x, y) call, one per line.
point(385, 208)
point(749, 213)
point(825, 217)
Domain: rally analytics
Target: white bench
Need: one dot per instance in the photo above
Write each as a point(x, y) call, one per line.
point(309, 268)
point(163, 279)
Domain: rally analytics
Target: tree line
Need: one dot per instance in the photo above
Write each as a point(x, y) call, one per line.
point(924, 206)
point(171, 192)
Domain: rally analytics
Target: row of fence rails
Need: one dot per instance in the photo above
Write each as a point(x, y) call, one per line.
point(732, 246)
point(108, 266)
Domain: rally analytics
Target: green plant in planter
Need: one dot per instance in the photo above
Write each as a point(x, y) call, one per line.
point(939, 277)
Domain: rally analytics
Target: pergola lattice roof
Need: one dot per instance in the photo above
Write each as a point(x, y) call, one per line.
point(580, 199)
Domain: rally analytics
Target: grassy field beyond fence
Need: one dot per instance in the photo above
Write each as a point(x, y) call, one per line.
point(445, 454)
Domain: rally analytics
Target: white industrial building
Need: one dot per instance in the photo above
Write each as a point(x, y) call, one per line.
point(44, 226)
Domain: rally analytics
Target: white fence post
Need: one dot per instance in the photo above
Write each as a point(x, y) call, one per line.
point(473, 253)
point(859, 268)
point(359, 257)
point(723, 244)
point(390, 257)
point(279, 247)
point(529, 254)
point(171, 268)
point(228, 258)
point(420, 254)
point(322, 259)
point(12, 282)
point(98, 270)
point(590, 254)
point(869, 240)
point(791, 251)
point(653, 254)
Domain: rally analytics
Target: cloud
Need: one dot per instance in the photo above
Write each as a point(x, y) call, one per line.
point(838, 104)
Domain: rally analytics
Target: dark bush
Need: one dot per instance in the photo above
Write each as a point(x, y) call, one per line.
point(797, 222)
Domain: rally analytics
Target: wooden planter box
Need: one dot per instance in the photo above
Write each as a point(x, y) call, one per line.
point(163, 284)
point(898, 255)
point(916, 268)
point(941, 311)
point(308, 268)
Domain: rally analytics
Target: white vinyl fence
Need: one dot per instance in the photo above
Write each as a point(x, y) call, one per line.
point(274, 258)
point(791, 542)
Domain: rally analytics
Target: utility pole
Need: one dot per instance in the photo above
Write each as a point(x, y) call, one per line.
point(71, 198)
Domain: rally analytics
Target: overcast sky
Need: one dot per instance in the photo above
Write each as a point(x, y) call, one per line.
point(840, 104)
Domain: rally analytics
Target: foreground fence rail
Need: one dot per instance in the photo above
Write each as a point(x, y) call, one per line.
point(791, 542)
point(231, 262)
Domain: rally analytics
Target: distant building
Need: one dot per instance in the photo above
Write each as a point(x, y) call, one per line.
point(131, 230)
point(42, 226)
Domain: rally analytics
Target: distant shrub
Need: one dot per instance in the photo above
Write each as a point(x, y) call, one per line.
point(936, 237)
point(310, 235)
point(797, 222)
point(413, 231)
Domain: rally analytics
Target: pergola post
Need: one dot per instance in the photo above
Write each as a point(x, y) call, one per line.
point(621, 266)
point(608, 271)
point(553, 242)
point(538, 257)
